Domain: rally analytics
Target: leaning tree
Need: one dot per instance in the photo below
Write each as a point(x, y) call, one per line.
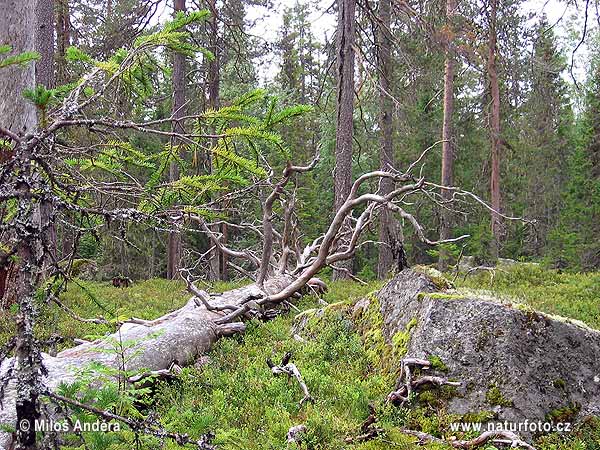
point(78, 159)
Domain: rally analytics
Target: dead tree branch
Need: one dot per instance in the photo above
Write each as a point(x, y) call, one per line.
point(405, 385)
point(499, 437)
point(290, 369)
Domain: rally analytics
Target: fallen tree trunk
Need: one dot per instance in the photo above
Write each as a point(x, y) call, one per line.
point(178, 337)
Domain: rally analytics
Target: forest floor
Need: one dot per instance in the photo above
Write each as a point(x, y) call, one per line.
point(233, 394)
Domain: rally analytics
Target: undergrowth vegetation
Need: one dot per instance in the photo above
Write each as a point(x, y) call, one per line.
point(342, 357)
point(572, 295)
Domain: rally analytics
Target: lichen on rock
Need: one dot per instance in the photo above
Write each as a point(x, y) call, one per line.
point(508, 357)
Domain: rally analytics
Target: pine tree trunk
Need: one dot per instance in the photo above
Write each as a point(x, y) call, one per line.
point(174, 244)
point(494, 125)
point(18, 28)
point(447, 135)
point(218, 261)
point(345, 111)
point(388, 235)
point(44, 75)
point(44, 43)
point(63, 39)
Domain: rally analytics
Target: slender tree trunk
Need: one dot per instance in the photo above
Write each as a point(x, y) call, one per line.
point(174, 245)
point(44, 75)
point(27, 351)
point(387, 225)
point(494, 125)
point(218, 261)
point(44, 43)
point(447, 135)
point(63, 39)
point(345, 111)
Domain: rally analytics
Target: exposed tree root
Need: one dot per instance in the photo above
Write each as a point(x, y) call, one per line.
point(294, 434)
point(497, 437)
point(402, 394)
point(406, 385)
point(290, 369)
point(368, 428)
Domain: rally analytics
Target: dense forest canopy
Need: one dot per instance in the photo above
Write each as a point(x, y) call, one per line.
point(206, 141)
point(545, 120)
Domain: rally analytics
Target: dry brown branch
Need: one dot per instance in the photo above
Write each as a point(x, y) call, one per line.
point(217, 240)
point(163, 374)
point(309, 265)
point(368, 428)
point(9, 134)
point(135, 425)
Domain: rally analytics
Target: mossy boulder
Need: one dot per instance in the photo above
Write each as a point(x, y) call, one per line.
point(508, 358)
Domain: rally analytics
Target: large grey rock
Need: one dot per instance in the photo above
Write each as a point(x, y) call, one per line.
point(538, 363)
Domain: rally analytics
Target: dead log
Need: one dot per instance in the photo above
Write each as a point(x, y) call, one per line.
point(181, 336)
point(176, 338)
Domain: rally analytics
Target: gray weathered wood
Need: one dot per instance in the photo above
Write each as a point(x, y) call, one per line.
point(180, 337)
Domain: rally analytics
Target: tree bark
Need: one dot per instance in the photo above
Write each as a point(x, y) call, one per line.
point(388, 234)
point(17, 29)
point(44, 75)
point(218, 261)
point(174, 244)
point(447, 134)
point(63, 39)
point(345, 111)
point(494, 126)
point(44, 43)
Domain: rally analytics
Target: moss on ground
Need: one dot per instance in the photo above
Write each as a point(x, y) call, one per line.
point(566, 413)
point(342, 361)
point(572, 295)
